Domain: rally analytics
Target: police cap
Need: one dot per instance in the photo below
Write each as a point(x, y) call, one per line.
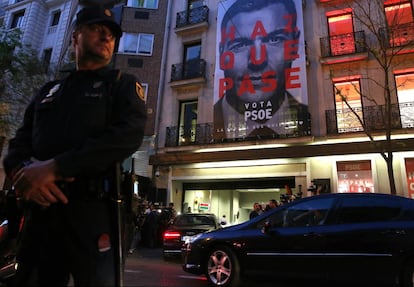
point(98, 15)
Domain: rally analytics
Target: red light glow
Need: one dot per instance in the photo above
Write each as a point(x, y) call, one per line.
point(171, 235)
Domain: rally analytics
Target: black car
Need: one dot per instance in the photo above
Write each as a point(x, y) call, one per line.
point(332, 237)
point(185, 226)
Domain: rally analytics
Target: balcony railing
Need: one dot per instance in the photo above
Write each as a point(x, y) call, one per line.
point(344, 44)
point(373, 118)
point(204, 134)
point(397, 35)
point(188, 70)
point(195, 134)
point(193, 16)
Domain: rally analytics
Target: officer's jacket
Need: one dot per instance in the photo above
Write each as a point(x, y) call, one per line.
point(86, 122)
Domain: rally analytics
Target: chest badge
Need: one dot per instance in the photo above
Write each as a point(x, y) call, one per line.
point(52, 91)
point(139, 89)
point(97, 84)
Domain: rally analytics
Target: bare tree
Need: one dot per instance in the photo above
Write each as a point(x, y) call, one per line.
point(21, 74)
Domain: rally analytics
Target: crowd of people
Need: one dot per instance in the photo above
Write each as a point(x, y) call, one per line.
point(150, 222)
point(273, 203)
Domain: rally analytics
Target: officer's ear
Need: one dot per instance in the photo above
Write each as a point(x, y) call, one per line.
point(75, 34)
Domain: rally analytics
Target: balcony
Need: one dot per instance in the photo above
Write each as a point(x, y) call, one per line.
point(343, 48)
point(397, 35)
point(204, 134)
point(373, 117)
point(192, 135)
point(192, 21)
point(189, 73)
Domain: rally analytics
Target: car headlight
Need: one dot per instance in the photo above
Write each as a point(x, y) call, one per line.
point(193, 238)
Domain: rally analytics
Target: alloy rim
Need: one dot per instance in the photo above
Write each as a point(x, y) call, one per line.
point(219, 268)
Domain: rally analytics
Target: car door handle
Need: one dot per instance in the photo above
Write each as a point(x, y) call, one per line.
point(312, 234)
point(394, 232)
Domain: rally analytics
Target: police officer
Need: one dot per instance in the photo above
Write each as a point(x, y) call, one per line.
point(63, 157)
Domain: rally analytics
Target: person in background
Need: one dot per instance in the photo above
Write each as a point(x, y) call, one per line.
point(223, 220)
point(273, 203)
point(64, 159)
point(150, 228)
point(256, 210)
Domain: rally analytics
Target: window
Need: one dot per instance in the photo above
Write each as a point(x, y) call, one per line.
point(354, 176)
point(192, 4)
point(341, 33)
point(348, 93)
point(368, 210)
point(140, 44)
point(399, 16)
point(399, 12)
point(192, 55)
point(55, 18)
point(405, 89)
point(47, 55)
point(188, 122)
point(17, 21)
point(309, 213)
point(149, 4)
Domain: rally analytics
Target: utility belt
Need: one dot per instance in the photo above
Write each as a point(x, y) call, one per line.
point(84, 189)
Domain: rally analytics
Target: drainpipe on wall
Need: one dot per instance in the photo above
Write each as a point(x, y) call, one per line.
point(162, 75)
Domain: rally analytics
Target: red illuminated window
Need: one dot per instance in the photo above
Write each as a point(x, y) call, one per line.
point(399, 16)
point(341, 33)
point(348, 106)
point(405, 89)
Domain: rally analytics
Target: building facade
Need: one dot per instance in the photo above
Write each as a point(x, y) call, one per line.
point(215, 155)
point(141, 52)
point(44, 25)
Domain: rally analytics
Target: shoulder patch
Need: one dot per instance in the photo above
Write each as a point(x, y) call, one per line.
point(140, 91)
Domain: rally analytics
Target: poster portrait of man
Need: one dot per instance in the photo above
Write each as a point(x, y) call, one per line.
point(260, 76)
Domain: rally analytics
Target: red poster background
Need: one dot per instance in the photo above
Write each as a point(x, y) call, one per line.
point(409, 168)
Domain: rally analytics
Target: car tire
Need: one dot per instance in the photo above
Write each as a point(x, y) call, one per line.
point(223, 268)
point(408, 275)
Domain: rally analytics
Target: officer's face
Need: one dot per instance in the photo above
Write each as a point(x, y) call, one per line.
point(93, 43)
point(259, 53)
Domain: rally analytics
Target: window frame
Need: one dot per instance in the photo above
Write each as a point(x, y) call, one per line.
point(341, 122)
point(405, 104)
point(17, 19)
point(131, 3)
point(341, 43)
point(137, 38)
point(53, 21)
point(183, 137)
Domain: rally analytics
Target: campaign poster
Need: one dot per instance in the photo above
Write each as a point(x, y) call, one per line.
point(355, 176)
point(260, 85)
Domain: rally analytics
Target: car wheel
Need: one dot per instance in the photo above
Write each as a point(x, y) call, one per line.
point(223, 267)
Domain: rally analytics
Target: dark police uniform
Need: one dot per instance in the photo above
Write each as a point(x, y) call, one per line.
point(87, 122)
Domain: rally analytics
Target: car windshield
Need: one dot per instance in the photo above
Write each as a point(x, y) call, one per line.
point(193, 220)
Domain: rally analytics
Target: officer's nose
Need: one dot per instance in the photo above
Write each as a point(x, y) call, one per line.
point(257, 55)
point(106, 34)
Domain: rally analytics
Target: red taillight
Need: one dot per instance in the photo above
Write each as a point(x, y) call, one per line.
point(172, 235)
